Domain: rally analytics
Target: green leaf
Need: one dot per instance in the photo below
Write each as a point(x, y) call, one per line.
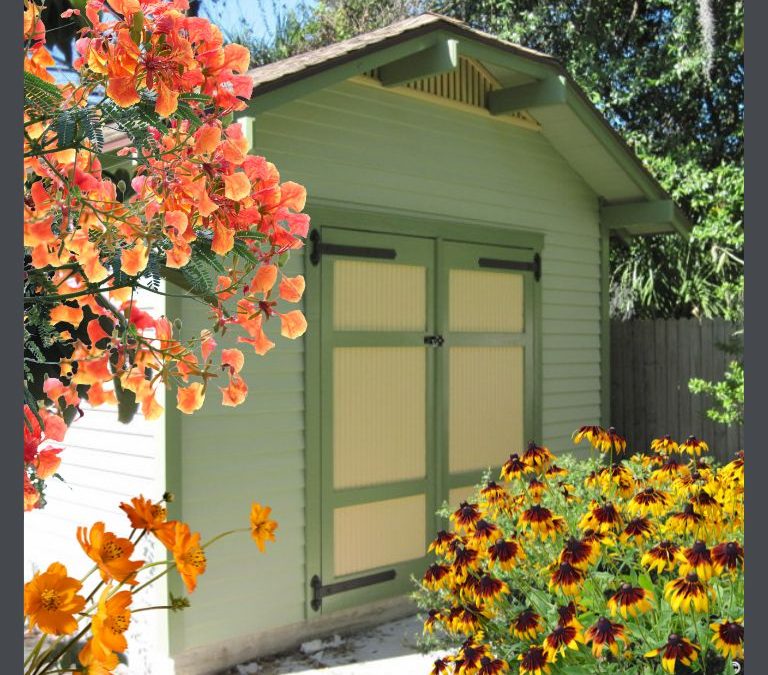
point(645, 582)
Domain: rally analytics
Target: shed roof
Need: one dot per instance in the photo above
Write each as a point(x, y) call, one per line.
point(632, 200)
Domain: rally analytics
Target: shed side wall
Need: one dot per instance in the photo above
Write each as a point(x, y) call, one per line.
point(372, 148)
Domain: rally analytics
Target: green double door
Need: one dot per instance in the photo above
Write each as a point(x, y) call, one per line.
point(426, 381)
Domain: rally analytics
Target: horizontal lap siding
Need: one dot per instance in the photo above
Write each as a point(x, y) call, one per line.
point(105, 462)
point(231, 457)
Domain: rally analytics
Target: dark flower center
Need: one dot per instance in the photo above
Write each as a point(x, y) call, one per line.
point(692, 577)
point(730, 547)
point(699, 547)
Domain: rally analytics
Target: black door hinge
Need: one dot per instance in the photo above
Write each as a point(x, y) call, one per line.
point(319, 249)
point(533, 266)
point(319, 591)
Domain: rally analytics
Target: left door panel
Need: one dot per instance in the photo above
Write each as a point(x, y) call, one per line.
point(377, 397)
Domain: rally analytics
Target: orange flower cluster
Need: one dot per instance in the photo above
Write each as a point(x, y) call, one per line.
point(52, 599)
point(196, 195)
point(628, 546)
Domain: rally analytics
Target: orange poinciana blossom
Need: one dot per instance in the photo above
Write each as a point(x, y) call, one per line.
point(195, 196)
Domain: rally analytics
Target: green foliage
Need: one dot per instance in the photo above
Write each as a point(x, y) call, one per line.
point(728, 394)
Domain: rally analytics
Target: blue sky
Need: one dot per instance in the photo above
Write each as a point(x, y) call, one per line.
point(259, 14)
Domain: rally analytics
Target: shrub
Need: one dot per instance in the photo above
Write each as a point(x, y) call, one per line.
point(609, 565)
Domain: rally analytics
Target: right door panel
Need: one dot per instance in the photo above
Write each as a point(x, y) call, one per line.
point(486, 312)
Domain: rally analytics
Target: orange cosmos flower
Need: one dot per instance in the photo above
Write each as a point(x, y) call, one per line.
point(187, 552)
point(109, 624)
point(143, 514)
point(110, 552)
point(96, 664)
point(262, 528)
point(51, 601)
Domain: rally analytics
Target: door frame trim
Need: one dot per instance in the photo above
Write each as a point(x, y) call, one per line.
point(384, 222)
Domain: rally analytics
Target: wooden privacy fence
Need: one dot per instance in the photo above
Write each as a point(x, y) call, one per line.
point(651, 364)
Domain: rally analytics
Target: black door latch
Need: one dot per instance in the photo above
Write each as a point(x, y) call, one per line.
point(434, 340)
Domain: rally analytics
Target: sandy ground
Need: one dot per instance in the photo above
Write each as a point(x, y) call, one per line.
point(389, 649)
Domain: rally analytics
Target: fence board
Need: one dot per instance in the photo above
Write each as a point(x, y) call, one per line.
point(651, 364)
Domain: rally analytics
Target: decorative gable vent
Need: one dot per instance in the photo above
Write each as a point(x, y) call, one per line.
point(468, 84)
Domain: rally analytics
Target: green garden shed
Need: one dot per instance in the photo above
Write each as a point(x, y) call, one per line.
point(462, 192)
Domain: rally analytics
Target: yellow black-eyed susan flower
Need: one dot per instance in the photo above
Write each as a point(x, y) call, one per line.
point(664, 445)
point(579, 552)
point(561, 638)
point(467, 660)
point(514, 467)
point(603, 517)
point(466, 515)
point(696, 558)
point(486, 589)
point(630, 600)
point(693, 446)
point(491, 666)
point(661, 557)
point(667, 471)
point(555, 470)
point(483, 532)
point(440, 667)
point(734, 470)
point(433, 618)
point(598, 538)
point(728, 638)
point(677, 650)
point(613, 442)
point(637, 530)
point(567, 578)
point(705, 503)
point(592, 480)
point(536, 489)
point(541, 521)
point(686, 522)
point(467, 618)
point(727, 557)
point(687, 593)
point(495, 497)
point(567, 615)
point(649, 501)
point(527, 625)
point(436, 576)
point(505, 553)
point(534, 661)
point(604, 633)
point(689, 483)
point(568, 492)
point(442, 542)
point(465, 559)
point(594, 434)
point(538, 457)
